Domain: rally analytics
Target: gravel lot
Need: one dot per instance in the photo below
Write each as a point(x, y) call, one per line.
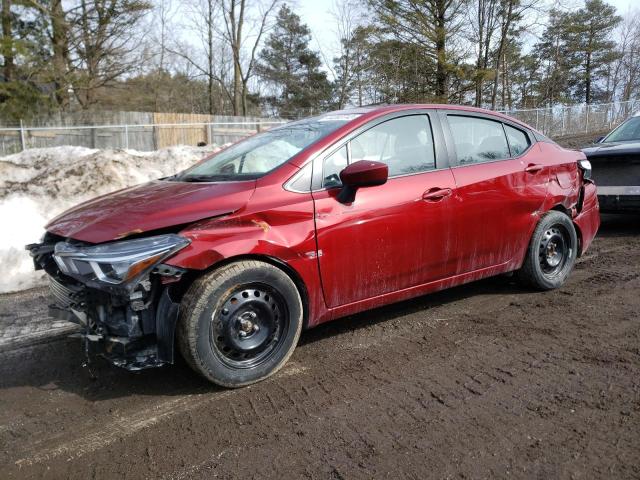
point(481, 381)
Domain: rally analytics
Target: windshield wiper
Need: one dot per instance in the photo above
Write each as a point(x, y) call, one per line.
point(216, 178)
point(203, 178)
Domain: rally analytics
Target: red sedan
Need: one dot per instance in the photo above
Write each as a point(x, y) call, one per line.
point(321, 218)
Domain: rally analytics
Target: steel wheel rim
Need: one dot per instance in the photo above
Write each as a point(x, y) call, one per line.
point(554, 250)
point(249, 326)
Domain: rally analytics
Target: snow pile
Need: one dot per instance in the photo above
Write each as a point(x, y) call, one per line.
point(38, 184)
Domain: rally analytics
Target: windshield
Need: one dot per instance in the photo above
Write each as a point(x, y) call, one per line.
point(258, 155)
point(627, 132)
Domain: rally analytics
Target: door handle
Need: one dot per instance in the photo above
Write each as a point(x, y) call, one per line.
point(533, 168)
point(436, 194)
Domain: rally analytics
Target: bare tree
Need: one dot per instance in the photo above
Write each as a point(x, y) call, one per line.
point(348, 69)
point(164, 12)
point(235, 17)
point(491, 22)
point(483, 23)
point(60, 35)
point(229, 34)
point(628, 66)
point(105, 44)
point(210, 58)
point(510, 11)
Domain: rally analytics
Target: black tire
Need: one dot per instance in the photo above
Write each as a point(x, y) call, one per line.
point(241, 323)
point(551, 254)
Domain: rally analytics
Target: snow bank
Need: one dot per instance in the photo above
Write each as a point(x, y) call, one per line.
point(38, 184)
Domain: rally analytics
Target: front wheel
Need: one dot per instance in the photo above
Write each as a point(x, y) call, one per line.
point(240, 323)
point(551, 254)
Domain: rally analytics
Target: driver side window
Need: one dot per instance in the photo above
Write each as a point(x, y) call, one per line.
point(405, 144)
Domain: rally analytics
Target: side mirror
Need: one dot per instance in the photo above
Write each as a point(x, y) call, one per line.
point(363, 173)
point(599, 139)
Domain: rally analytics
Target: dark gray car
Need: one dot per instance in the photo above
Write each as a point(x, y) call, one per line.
point(615, 160)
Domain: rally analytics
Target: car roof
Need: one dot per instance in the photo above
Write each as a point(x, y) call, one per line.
point(375, 110)
point(360, 116)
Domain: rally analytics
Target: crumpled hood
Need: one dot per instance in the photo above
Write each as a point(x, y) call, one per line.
point(150, 206)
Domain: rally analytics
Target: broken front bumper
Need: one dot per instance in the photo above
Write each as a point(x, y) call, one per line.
point(133, 341)
point(133, 328)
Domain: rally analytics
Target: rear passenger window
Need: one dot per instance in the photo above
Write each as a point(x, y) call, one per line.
point(518, 140)
point(478, 140)
point(332, 166)
point(405, 144)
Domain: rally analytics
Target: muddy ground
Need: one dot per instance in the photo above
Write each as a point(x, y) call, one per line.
point(482, 381)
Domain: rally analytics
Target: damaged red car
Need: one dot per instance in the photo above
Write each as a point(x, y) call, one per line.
point(228, 261)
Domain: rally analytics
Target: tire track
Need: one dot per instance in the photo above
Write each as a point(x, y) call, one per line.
point(511, 383)
point(129, 425)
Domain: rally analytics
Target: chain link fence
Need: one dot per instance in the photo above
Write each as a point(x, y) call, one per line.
point(151, 131)
point(564, 120)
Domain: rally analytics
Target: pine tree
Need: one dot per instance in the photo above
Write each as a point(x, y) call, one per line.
point(551, 54)
point(588, 33)
point(429, 28)
point(351, 68)
point(292, 69)
point(25, 83)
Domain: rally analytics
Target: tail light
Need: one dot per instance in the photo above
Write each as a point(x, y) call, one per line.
point(585, 167)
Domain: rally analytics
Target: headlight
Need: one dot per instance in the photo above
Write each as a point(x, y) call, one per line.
point(116, 263)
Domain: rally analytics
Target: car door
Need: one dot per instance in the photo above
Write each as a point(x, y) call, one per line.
point(501, 185)
point(392, 236)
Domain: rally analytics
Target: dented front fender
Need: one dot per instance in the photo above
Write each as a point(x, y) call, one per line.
point(285, 231)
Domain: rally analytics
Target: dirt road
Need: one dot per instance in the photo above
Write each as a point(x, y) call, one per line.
point(482, 381)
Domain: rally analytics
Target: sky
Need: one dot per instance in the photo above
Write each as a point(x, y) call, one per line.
point(316, 14)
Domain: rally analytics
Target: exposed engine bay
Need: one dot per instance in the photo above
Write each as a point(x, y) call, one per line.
point(121, 296)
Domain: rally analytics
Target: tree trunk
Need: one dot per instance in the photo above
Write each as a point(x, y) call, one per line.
point(235, 32)
point(587, 80)
point(587, 69)
point(504, 81)
point(237, 86)
point(245, 89)
point(60, 47)
point(212, 107)
point(441, 54)
point(211, 102)
point(503, 40)
point(479, 66)
point(7, 42)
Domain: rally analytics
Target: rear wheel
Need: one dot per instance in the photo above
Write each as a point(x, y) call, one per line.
point(241, 323)
point(551, 254)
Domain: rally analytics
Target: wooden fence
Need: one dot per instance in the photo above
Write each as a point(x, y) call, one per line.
point(143, 131)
